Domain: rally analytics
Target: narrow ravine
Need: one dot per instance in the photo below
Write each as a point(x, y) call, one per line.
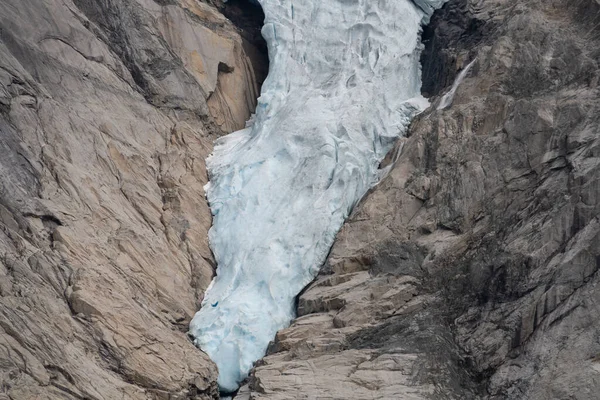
point(343, 85)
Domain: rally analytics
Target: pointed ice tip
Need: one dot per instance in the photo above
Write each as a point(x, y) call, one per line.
point(418, 103)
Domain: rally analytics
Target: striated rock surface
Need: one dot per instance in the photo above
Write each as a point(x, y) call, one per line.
point(108, 109)
point(471, 271)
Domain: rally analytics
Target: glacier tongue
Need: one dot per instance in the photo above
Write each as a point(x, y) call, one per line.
point(344, 83)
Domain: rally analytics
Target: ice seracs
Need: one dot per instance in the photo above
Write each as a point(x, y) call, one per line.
point(344, 83)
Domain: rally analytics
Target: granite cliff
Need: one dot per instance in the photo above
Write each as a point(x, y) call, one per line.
point(469, 272)
point(108, 110)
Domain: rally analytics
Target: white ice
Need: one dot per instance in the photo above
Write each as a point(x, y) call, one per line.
point(343, 85)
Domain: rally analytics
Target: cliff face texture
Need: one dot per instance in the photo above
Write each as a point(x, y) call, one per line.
point(471, 271)
point(108, 109)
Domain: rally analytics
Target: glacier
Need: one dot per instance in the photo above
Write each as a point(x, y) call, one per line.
point(344, 83)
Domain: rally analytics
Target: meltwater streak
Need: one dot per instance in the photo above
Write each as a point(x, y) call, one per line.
point(344, 83)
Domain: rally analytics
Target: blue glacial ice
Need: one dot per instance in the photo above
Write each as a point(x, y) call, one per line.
point(343, 85)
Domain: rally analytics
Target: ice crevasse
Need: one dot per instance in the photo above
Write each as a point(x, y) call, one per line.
point(344, 83)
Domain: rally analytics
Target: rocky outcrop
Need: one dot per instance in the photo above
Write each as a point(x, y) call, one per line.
point(471, 270)
point(107, 111)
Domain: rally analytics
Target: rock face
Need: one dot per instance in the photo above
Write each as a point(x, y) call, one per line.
point(107, 111)
point(471, 271)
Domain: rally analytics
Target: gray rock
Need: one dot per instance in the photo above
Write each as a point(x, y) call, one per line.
point(107, 112)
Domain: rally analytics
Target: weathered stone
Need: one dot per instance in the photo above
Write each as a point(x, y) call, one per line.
point(108, 110)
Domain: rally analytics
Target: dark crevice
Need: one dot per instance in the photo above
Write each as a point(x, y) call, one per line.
point(453, 30)
point(225, 68)
point(248, 17)
point(47, 220)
